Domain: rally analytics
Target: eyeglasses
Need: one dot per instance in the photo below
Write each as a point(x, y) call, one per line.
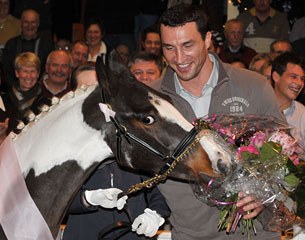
point(65, 48)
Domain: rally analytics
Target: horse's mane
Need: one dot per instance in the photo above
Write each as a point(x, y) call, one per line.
point(40, 111)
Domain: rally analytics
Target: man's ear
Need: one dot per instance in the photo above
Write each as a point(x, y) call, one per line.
point(275, 76)
point(208, 39)
point(16, 74)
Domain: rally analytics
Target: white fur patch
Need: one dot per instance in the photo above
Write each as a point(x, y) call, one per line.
point(214, 150)
point(60, 136)
point(169, 112)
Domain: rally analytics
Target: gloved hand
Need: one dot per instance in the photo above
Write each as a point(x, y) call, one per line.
point(147, 223)
point(107, 198)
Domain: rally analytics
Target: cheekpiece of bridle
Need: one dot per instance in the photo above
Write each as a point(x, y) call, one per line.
point(170, 161)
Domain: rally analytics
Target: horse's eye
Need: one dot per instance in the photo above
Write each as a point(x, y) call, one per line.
point(148, 120)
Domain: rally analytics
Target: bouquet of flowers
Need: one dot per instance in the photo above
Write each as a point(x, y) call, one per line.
point(269, 164)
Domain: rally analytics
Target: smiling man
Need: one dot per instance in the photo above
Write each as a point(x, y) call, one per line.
point(58, 69)
point(30, 40)
point(199, 84)
point(147, 68)
point(288, 76)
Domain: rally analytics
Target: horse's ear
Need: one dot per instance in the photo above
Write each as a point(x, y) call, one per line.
point(114, 62)
point(102, 78)
point(112, 75)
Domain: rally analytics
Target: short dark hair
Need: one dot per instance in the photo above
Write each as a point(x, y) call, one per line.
point(81, 68)
point(272, 50)
point(279, 64)
point(181, 14)
point(81, 42)
point(147, 57)
point(150, 29)
point(95, 21)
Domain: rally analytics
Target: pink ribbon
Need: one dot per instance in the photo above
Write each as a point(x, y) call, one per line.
point(19, 216)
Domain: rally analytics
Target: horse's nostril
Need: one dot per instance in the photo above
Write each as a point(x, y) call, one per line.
point(222, 167)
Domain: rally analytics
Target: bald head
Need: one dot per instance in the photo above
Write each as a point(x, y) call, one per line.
point(29, 23)
point(58, 67)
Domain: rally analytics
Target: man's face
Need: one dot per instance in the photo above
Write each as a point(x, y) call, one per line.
point(123, 51)
point(281, 47)
point(145, 71)
point(79, 54)
point(59, 68)
point(185, 50)
point(27, 77)
point(29, 25)
point(290, 83)
point(4, 8)
point(86, 78)
point(234, 35)
point(152, 43)
point(262, 6)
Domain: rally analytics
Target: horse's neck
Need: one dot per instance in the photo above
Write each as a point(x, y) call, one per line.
point(57, 154)
point(59, 137)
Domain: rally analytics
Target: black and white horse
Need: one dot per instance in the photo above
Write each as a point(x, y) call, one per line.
point(63, 145)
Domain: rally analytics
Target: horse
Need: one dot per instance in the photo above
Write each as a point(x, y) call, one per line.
point(61, 146)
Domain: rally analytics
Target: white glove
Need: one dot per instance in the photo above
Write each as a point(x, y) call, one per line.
point(106, 198)
point(147, 223)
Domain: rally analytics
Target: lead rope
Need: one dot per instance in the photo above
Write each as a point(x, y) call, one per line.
point(149, 183)
point(161, 176)
point(158, 178)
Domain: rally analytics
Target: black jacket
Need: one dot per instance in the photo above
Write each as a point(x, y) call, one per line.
point(85, 224)
point(41, 46)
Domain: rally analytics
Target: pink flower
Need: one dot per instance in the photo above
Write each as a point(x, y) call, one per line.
point(250, 149)
point(295, 159)
point(258, 139)
point(288, 143)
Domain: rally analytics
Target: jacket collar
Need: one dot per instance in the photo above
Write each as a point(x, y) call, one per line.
point(271, 13)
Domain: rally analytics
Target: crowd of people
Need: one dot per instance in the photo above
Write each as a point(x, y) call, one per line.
point(255, 58)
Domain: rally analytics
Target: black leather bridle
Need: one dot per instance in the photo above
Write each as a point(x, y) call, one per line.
point(170, 161)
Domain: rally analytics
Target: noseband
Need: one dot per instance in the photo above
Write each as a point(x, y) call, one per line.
point(170, 161)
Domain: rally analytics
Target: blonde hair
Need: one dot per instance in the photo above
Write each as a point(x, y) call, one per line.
point(27, 59)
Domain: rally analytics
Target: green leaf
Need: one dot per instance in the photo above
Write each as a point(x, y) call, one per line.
point(292, 180)
point(291, 167)
point(248, 156)
point(269, 150)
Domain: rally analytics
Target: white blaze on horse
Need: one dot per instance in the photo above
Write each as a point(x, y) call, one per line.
point(59, 151)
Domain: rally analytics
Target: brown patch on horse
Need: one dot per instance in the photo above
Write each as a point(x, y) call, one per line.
point(201, 163)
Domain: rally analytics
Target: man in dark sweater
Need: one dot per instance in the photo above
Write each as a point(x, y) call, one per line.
point(234, 50)
point(30, 40)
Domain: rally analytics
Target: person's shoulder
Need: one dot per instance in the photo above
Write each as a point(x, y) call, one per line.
point(242, 74)
point(11, 43)
point(300, 22)
point(278, 14)
point(299, 106)
point(249, 49)
point(11, 18)
point(245, 14)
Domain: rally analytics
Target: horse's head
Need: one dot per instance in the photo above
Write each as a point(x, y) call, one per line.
point(150, 128)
